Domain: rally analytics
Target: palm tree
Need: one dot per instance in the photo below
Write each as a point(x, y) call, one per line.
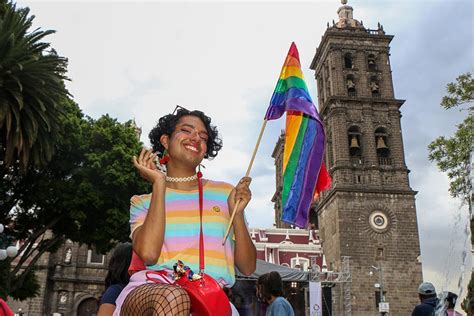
point(31, 89)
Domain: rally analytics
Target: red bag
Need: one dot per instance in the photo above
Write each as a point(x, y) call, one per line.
point(207, 296)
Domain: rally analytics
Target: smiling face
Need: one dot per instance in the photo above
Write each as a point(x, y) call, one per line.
point(188, 142)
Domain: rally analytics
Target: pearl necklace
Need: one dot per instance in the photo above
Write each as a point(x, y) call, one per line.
point(181, 179)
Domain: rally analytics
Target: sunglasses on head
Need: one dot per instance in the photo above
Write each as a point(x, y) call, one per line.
point(179, 107)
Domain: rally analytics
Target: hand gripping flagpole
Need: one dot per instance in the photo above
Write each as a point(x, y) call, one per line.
point(246, 174)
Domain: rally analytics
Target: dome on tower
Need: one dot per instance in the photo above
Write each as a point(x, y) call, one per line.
point(346, 19)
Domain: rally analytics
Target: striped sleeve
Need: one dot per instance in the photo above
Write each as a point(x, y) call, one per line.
point(139, 205)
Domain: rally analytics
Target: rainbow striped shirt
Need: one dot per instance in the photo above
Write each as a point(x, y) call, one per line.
point(182, 229)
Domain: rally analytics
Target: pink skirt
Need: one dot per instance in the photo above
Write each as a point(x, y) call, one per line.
point(137, 279)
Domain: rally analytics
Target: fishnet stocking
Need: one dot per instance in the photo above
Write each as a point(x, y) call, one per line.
point(156, 300)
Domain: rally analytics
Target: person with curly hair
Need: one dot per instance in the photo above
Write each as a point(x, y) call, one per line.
point(165, 224)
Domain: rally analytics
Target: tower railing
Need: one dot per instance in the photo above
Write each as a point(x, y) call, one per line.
point(385, 161)
point(376, 32)
point(357, 161)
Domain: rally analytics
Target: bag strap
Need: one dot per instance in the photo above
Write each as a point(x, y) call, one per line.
point(201, 237)
point(163, 274)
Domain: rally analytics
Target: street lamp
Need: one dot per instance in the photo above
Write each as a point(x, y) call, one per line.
point(10, 251)
point(383, 306)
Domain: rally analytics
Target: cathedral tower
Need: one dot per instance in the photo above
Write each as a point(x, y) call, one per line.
point(369, 214)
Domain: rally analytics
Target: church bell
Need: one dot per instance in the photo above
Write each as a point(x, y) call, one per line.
point(354, 142)
point(381, 143)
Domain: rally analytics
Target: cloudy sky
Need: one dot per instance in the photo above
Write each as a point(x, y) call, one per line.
point(138, 60)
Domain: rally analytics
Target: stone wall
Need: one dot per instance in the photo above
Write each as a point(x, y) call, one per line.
point(67, 279)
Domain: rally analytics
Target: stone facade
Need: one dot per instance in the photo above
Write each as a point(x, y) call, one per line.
point(72, 281)
point(369, 213)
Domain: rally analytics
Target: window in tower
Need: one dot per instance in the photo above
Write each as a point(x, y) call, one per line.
point(348, 61)
point(374, 86)
point(333, 226)
point(329, 154)
point(372, 65)
point(320, 89)
point(351, 87)
point(355, 150)
point(382, 146)
point(380, 254)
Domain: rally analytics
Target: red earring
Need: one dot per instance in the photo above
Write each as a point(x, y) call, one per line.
point(165, 158)
point(199, 173)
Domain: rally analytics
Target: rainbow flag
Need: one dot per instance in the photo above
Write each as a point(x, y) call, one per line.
point(304, 173)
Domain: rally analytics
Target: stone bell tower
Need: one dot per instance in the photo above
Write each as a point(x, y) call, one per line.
point(369, 214)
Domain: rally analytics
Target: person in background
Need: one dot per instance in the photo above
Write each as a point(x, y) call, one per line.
point(428, 300)
point(228, 292)
point(116, 279)
point(273, 294)
point(451, 299)
point(261, 303)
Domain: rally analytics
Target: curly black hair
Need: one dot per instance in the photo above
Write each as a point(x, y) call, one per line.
point(167, 124)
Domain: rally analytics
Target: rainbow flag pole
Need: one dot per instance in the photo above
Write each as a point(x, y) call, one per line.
point(304, 173)
point(246, 174)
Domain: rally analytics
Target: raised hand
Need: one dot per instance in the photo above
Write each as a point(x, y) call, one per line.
point(240, 192)
point(146, 166)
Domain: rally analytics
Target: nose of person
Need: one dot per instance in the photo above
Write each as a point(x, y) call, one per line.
point(195, 136)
